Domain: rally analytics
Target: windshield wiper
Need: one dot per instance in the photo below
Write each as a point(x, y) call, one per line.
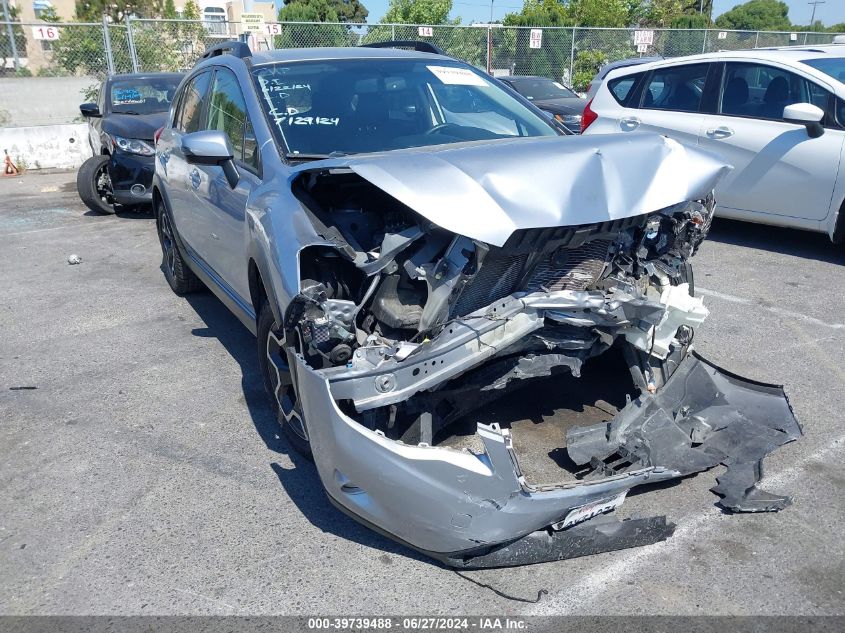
point(306, 156)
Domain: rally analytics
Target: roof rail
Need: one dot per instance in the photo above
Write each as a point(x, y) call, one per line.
point(231, 47)
point(421, 47)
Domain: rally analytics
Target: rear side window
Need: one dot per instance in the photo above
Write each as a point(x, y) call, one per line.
point(620, 87)
point(189, 117)
point(678, 88)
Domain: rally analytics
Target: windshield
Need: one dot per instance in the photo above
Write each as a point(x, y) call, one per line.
point(143, 96)
point(542, 89)
point(351, 105)
point(832, 66)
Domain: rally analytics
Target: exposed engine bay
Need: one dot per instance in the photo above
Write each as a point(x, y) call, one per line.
point(400, 288)
point(402, 328)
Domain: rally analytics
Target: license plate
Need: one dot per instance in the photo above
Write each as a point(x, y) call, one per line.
point(579, 515)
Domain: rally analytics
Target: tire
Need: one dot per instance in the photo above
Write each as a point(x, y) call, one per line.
point(182, 279)
point(279, 385)
point(94, 185)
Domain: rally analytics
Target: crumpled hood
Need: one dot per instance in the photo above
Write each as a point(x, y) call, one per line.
point(488, 190)
point(141, 126)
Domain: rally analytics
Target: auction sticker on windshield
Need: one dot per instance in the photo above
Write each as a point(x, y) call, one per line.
point(456, 76)
point(579, 515)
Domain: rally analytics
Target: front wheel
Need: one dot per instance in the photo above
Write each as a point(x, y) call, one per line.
point(93, 184)
point(278, 381)
point(182, 279)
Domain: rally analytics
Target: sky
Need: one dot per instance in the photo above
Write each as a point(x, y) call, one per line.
point(832, 12)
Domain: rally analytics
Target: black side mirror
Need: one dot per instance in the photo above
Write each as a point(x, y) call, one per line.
point(211, 147)
point(90, 110)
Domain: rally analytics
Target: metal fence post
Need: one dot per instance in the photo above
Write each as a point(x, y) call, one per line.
point(130, 40)
point(11, 35)
point(572, 59)
point(107, 44)
point(704, 44)
point(756, 39)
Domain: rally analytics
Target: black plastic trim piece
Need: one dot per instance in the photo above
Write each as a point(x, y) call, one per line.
point(420, 47)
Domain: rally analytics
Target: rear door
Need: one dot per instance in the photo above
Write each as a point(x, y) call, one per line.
point(670, 102)
point(181, 179)
point(780, 173)
point(223, 209)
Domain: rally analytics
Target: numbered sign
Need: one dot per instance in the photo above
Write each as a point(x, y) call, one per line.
point(644, 37)
point(536, 38)
point(45, 32)
point(723, 35)
point(273, 29)
point(425, 31)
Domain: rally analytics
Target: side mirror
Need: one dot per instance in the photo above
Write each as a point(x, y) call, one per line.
point(211, 147)
point(806, 114)
point(90, 110)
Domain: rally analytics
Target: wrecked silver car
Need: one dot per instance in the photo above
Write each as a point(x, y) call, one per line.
point(411, 244)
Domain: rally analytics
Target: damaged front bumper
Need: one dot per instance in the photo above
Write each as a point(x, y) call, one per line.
point(477, 510)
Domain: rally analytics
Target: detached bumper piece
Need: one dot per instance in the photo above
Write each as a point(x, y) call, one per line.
point(703, 416)
point(603, 533)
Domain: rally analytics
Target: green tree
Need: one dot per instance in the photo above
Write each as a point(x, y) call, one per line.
point(323, 11)
point(757, 15)
point(305, 35)
point(418, 12)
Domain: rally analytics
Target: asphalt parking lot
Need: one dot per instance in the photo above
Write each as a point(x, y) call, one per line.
point(143, 473)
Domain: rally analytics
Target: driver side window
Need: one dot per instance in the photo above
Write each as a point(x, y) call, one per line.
point(227, 113)
point(761, 91)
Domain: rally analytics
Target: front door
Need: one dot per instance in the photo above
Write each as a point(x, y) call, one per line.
point(778, 169)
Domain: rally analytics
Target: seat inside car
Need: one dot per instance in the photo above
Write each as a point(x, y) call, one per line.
point(775, 98)
point(735, 97)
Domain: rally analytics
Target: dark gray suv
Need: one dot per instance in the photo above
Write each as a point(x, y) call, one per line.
point(410, 240)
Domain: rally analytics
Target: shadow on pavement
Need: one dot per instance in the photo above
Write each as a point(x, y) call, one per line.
point(301, 482)
point(777, 239)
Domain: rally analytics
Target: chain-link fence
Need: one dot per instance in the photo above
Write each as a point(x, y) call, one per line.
point(42, 64)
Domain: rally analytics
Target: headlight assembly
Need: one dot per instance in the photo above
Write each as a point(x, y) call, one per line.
point(132, 146)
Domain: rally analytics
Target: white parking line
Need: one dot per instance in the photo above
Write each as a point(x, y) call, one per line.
point(773, 309)
point(593, 586)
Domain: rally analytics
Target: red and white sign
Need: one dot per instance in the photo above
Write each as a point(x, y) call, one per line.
point(45, 32)
point(426, 31)
point(273, 29)
point(536, 38)
point(644, 37)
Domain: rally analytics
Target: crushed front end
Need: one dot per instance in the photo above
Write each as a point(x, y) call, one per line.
point(403, 327)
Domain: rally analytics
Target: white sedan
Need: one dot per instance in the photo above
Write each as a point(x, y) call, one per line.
point(777, 115)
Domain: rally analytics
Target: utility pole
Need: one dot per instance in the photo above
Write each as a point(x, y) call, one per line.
point(813, 16)
point(10, 33)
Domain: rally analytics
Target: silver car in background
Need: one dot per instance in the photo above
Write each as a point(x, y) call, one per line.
point(409, 241)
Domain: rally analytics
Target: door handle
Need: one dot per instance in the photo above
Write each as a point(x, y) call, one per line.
point(720, 132)
point(629, 123)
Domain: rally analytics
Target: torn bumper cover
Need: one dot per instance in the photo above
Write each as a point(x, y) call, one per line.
point(477, 510)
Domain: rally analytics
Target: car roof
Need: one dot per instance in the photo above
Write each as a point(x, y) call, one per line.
point(625, 63)
point(788, 55)
point(146, 76)
point(349, 52)
point(520, 77)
